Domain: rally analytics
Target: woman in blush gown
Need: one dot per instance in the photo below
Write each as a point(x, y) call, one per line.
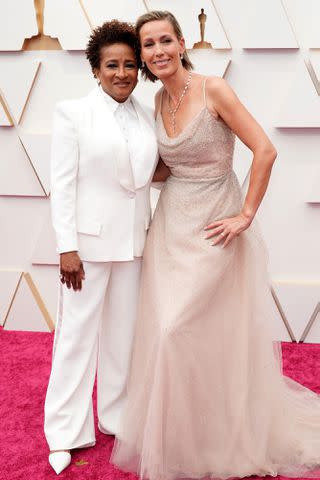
point(206, 396)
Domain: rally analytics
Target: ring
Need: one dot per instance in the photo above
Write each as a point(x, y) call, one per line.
point(222, 234)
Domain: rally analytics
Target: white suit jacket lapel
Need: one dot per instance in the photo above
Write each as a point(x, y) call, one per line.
point(112, 132)
point(143, 170)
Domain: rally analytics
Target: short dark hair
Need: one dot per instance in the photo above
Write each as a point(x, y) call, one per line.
point(156, 15)
point(108, 34)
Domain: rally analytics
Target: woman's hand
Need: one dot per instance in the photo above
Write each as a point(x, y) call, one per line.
point(227, 229)
point(71, 270)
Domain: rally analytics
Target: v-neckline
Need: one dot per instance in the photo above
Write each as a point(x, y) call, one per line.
point(185, 128)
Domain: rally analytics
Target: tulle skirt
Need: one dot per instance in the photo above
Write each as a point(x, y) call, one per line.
point(206, 395)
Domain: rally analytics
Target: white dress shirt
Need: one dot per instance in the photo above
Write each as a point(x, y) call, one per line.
point(128, 121)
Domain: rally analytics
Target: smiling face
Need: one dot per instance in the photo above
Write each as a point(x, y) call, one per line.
point(118, 71)
point(160, 48)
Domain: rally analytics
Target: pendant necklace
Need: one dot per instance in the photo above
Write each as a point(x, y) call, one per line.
point(174, 110)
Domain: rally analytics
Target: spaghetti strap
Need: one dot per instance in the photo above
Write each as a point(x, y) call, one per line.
point(161, 97)
point(204, 90)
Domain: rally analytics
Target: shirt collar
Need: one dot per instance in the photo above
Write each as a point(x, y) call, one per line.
point(114, 105)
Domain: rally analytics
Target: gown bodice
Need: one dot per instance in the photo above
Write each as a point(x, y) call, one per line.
point(203, 150)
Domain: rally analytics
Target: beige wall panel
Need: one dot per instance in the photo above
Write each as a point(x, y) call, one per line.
point(187, 15)
point(37, 147)
point(16, 81)
point(17, 176)
point(45, 251)
point(26, 312)
point(17, 21)
point(9, 280)
point(301, 105)
point(99, 12)
point(298, 300)
point(304, 17)
point(67, 22)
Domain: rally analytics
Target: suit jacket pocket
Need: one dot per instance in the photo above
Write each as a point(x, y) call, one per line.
point(89, 227)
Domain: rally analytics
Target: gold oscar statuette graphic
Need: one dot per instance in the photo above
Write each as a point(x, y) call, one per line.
point(202, 17)
point(41, 41)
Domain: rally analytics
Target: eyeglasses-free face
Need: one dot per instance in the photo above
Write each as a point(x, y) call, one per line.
point(160, 48)
point(118, 71)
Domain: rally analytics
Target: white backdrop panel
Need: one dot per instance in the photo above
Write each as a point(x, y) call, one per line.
point(4, 120)
point(99, 13)
point(300, 107)
point(45, 251)
point(9, 281)
point(314, 332)
point(17, 77)
point(304, 16)
point(37, 147)
point(298, 313)
point(67, 22)
point(17, 22)
point(187, 15)
point(267, 25)
point(17, 176)
point(25, 313)
point(62, 75)
point(314, 62)
point(262, 79)
point(256, 24)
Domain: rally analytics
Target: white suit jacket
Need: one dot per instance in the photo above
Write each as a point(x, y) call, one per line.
point(100, 202)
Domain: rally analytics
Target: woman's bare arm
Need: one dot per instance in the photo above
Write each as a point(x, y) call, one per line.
point(223, 100)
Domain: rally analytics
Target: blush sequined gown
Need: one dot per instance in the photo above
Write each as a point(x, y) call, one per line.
point(206, 396)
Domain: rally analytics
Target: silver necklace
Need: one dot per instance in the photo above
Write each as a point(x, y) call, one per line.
point(174, 110)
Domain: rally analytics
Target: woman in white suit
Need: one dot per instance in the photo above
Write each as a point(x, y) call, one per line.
point(104, 153)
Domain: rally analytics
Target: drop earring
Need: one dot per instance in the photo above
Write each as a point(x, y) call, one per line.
point(143, 64)
point(181, 56)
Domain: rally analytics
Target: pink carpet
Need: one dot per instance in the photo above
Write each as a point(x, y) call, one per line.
point(25, 360)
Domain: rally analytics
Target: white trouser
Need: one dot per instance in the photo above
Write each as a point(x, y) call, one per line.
point(93, 325)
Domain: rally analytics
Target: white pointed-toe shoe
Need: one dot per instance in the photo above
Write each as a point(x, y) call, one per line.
point(59, 460)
